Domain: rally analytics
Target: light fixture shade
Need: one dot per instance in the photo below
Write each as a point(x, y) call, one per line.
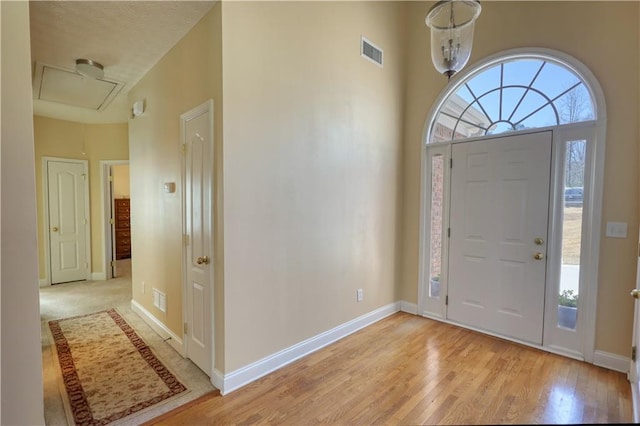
point(451, 23)
point(89, 68)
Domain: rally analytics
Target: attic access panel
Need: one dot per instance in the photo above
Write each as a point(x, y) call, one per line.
point(55, 84)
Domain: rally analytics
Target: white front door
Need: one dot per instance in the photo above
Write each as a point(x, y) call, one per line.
point(499, 219)
point(197, 134)
point(66, 183)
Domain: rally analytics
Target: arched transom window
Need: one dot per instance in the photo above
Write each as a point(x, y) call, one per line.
point(514, 94)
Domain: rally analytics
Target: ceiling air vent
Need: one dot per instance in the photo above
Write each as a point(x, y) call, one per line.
point(370, 51)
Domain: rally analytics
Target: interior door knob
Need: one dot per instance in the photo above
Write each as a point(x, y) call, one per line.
point(204, 260)
point(538, 256)
point(54, 229)
point(635, 293)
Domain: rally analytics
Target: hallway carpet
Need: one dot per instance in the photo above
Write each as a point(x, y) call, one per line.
point(84, 297)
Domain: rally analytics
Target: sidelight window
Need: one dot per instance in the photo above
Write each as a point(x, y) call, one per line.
point(437, 209)
point(572, 206)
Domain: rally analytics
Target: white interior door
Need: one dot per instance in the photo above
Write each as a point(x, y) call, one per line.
point(499, 219)
point(197, 131)
point(66, 183)
point(634, 375)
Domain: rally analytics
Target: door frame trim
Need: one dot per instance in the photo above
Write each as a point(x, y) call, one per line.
point(595, 168)
point(107, 204)
point(206, 107)
point(591, 226)
point(634, 376)
point(46, 219)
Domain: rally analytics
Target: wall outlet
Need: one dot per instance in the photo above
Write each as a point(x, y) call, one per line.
point(359, 295)
point(142, 287)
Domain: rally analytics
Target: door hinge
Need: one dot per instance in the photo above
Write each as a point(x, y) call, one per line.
point(186, 328)
point(448, 232)
point(183, 148)
point(451, 163)
point(112, 221)
point(110, 178)
point(633, 353)
point(185, 239)
point(86, 265)
point(446, 300)
point(113, 263)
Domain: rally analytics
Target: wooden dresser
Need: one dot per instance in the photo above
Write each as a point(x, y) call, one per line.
point(123, 231)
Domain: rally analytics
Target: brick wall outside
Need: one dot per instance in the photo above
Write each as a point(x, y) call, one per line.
point(437, 197)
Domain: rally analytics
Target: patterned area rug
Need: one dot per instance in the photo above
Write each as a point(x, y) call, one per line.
point(108, 371)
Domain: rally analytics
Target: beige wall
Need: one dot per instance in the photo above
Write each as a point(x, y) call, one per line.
point(187, 76)
point(121, 184)
point(321, 195)
point(92, 142)
point(21, 371)
point(312, 152)
point(598, 34)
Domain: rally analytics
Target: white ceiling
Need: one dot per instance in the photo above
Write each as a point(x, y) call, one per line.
point(126, 37)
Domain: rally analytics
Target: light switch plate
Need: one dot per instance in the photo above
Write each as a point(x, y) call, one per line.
point(616, 229)
point(169, 187)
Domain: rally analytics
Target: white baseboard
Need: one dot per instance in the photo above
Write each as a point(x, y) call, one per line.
point(217, 379)
point(98, 276)
point(245, 375)
point(612, 361)
point(408, 307)
point(635, 401)
point(175, 342)
point(43, 282)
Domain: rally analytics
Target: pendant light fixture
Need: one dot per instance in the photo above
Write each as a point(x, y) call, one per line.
point(89, 68)
point(451, 23)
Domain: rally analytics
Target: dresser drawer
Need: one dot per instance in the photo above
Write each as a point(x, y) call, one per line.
point(123, 234)
point(123, 243)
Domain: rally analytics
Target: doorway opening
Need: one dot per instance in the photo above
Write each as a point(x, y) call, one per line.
point(116, 218)
point(475, 140)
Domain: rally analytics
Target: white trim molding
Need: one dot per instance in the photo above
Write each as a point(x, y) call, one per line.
point(611, 361)
point(163, 331)
point(98, 276)
point(43, 282)
point(635, 400)
point(582, 341)
point(217, 379)
point(106, 197)
point(408, 307)
point(234, 380)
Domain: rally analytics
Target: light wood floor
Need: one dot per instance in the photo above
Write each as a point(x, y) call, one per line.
point(410, 370)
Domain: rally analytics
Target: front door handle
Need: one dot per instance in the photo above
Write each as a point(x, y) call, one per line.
point(635, 293)
point(204, 260)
